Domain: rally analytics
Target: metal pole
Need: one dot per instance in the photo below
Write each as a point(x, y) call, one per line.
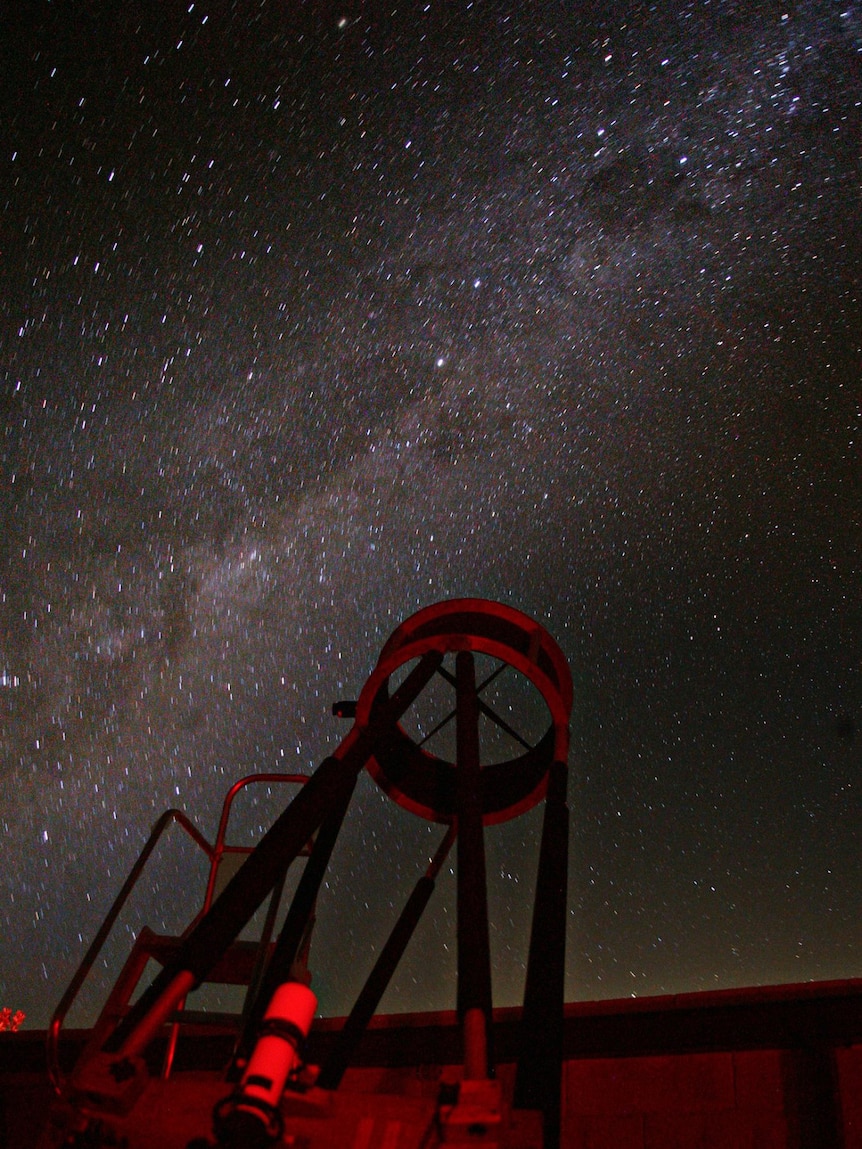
point(474, 954)
point(295, 925)
point(538, 1081)
point(380, 976)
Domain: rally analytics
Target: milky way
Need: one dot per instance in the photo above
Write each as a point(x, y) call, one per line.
point(315, 314)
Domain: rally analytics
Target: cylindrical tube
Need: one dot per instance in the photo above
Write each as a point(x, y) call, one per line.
point(285, 1026)
point(250, 1118)
point(475, 1046)
point(170, 998)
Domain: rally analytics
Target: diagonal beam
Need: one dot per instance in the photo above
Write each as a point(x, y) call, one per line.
point(445, 721)
point(381, 974)
point(489, 713)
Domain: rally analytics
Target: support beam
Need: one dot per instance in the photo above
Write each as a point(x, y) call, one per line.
point(474, 955)
point(295, 925)
point(540, 1059)
point(381, 974)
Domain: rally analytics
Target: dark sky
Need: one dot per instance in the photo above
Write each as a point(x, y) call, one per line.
point(313, 314)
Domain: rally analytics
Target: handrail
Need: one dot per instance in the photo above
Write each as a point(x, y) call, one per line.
point(219, 851)
point(53, 1035)
point(220, 848)
point(214, 854)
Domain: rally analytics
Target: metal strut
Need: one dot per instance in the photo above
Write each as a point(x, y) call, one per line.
point(474, 952)
point(385, 966)
point(540, 1058)
point(299, 916)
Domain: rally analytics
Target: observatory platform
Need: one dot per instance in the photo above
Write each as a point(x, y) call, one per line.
point(447, 726)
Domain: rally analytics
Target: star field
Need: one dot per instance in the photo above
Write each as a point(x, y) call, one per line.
point(315, 314)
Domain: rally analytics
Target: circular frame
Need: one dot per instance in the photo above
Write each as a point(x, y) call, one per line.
point(425, 784)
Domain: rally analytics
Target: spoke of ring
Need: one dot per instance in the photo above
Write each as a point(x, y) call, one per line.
point(487, 682)
point(489, 713)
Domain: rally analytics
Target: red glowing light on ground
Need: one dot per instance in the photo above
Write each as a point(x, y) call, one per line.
point(11, 1021)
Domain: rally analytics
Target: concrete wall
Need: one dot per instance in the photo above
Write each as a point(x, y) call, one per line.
point(740, 1100)
point(763, 1068)
point(735, 1100)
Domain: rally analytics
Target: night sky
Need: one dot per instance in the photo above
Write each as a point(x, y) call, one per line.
point(313, 314)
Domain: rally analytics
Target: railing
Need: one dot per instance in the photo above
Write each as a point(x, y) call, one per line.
point(214, 854)
point(214, 887)
point(68, 998)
